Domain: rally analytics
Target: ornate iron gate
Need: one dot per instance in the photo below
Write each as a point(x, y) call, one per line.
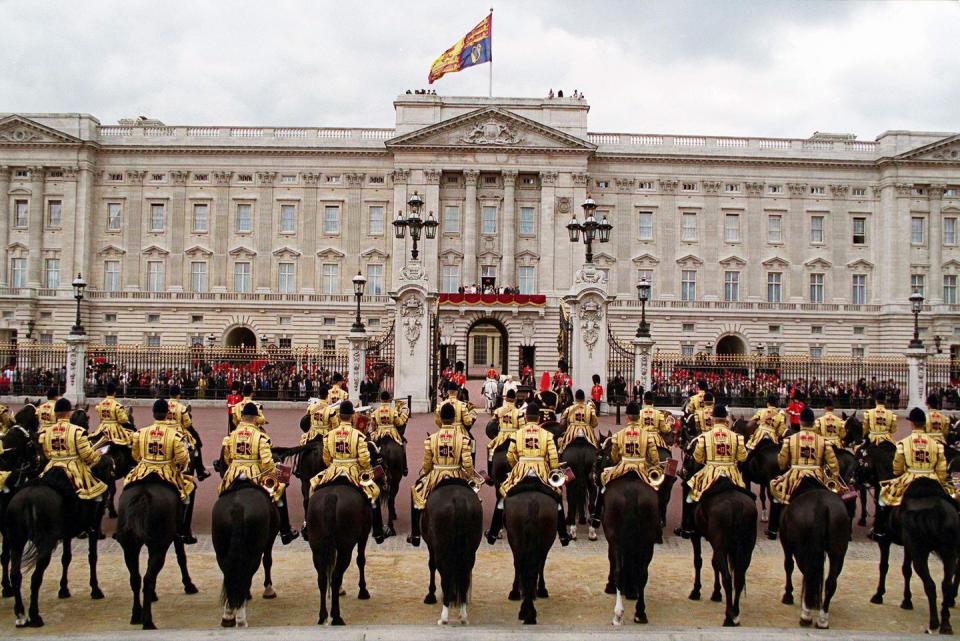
point(565, 336)
point(381, 358)
point(435, 365)
point(620, 362)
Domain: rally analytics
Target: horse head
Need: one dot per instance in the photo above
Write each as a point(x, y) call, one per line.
point(80, 418)
point(854, 429)
point(26, 417)
point(18, 452)
point(493, 428)
point(305, 423)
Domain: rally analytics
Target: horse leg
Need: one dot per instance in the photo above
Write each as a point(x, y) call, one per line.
point(361, 564)
point(697, 565)
point(541, 584)
point(862, 494)
point(716, 596)
point(643, 569)
point(92, 542)
point(739, 584)
point(5, 562)
point(763, 503)
point(949, 566)
point(343, 562)
point(157, 557)
point(431, 597)
point(720, 567)
point(131, 556)
point(322, 583)
point(788, 570)
point(66, 557)
point(930, 588)
point(515, 590)
point(180, 550)
point(907, 603)
point(611, 587)
point(884, 567)
point(830, 588)
point(111, 494)
point(574, 501)
point(16, 581)
point(591, 501)
point(34, 620)
point(268, 591)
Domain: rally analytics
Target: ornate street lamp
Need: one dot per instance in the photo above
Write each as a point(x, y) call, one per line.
point(359, 284)
point(643, 293)
point(589, 229)
point(938, 343)
point(415, 223)
point(916, 305)
point(211, 341)
point(78, 286)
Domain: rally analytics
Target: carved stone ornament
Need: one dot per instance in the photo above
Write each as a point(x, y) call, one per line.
point(21, 134)
point(509, 177)
point(936, 191)
point(563, 205)
point(590, 316)
point(625, 185)
point(797, 189)
point(589, 275)
point(222, 177)
point(136, 177)
point(431, 176)
point(411, 317)
point(753, 188)
point(579, 179)
point(310, 178)
point(548, 178)
point(354, 180)
point(527, 331)
point(355, 373)
point(711, 186)
point(266, 177)
point(904, 189)
point(413, 272)
point(668, 185)
point(491, 132)
point(400, 176)
point(839, 191)
point(179, 177)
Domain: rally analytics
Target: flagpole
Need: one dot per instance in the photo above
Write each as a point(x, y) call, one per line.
point(490, 90)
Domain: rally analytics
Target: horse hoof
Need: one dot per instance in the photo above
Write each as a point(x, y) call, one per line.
point(269, 592)
point(730, 623)
point(592, 534)
point(96, 594)
point(806, 623)
point(513, 596)
point(617, 620)
point(946, 628)
point(441, 622)
point(610, 589)
point(641, 619)
point(430, 599)
point(64, 593)
point(189, 588)
point(228, 623)
point(763, 516)
point(694, 595)
point(363, 595)
point(542, 593)
point(35, 622)
point(787, 599)
point(149, 626)
point(877, 599)
point(21, 622)
point(906, 605)
point(338, 621)
point(530, 621)
point(716, 597)
point(343, 592)
point(321, 620)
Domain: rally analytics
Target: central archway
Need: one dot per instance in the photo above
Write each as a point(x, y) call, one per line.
point(731, 345)
point(241, 336)
point(487, 344)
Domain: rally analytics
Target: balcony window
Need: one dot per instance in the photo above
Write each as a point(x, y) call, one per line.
point(20, 213)
point(51, 273)
point(111, 275)
point(731, 286)
point(528, 223)
point(774, 287)
point(950, 289)
point(241, 278)
point(330, 279)
point(950, 231)
point(450, 278)
point(488, 221)
point(114, 212)
point(526, 279)
point(451, 219)
point(375, 226)
point(688, 285)
point(816, 288)
point(155, 276)
point(375, 280)
point(917, 283)
point(859, 294)
point(198, 276)
point(286, 278)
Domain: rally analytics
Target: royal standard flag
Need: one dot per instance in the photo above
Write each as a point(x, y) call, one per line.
point(472, 49)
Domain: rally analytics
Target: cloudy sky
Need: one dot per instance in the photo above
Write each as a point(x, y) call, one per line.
point(775, 67)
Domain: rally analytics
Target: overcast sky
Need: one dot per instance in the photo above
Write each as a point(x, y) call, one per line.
point(774, 68)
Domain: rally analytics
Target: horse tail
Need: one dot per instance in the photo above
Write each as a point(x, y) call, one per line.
point(740, 541)
point(236, 581)
point(529, 552)
point(813, 556)
point(37, 535)
point(328, 539)
point(928, 525)
point(460, 555)
point(135, 516)
point(630, 536)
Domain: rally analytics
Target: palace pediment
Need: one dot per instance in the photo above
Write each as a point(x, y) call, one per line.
point(17, 130)
point(944, 150)
point(490, 128)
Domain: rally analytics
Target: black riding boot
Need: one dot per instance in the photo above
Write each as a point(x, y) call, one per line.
point(198, 467)
point(496, 523)
point(186, 529)
point(287, 534)
point(881, 524)
point(597, 510)
point(773, 526)
point(562, 526)
point(686, 521)
point(414, 538)
point(377, 523)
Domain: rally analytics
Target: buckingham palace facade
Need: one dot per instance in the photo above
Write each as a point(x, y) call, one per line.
point(187, 234)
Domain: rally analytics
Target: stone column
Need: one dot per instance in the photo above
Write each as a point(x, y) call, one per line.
point(35, 222)
point(508, 276)
point(546, 232)
point(668, 238)
point(357, 365)
point(916, 377)
point(76, 367)
point(84, 213)
point(136, 214)
point(308, 264)
point(398, 255)
point(934, 291)
point(220, 231)
point(643, 361)
point(578, 251)
point(352, 228)
point(714, 252)
point(4, 223)
point(430, 249)
point(265, 227)
point(414, 347)
point(178, 230)
point(624, 232)
point(587, 304)
point(471, 227)
point(753, 233)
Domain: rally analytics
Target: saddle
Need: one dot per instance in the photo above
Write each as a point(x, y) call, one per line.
point(809, 484)
point(453, 481)
point(242, 484)
point(153, 477)
point(723, 484)
point(58, 481)
point(923, 488)
point(533, 485)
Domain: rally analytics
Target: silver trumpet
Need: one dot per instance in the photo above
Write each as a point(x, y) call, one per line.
point(557, 477)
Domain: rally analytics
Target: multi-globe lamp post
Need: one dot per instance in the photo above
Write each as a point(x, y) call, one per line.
point(415, 223)
point(590, 229)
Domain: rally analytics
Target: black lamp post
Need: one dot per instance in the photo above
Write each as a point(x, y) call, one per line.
point(643, 293)
point(916, 305)
point(359, 283)
point(78, 286)
point(415, 223)
point(589, 229)
point(211, 341)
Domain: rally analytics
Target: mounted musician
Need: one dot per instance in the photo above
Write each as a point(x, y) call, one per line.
point(633, 450)
point(695, 402)
point(182, 418)
point(879, 424)
point(653, 421)
point(830, 426)
point(237, 410)
point(6, 420)
point(47, 413)
point(804, 454)
point(532, 455)
point(337, 391)
point(548, 401)
point(509, 418)
point(464, 415)
point(938, 423)
point(323, 417)
point(247, 455)
point(703, 415)
point(347, 457)
point(446, 455)
point(769, 423)
point(389, 420)
point(159, 450)
point(114, 421)
point(580, 421)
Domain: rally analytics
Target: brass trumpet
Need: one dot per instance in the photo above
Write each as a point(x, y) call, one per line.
point(557, 477)
point(655, 476)
point(270, 483)
point(366, 479)
point(832, 484)
point(475, 484)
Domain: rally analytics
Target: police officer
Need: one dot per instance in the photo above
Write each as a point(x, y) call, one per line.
point(938, 424)
point(246, 453)
point(237, 409)
point(801, 455)
point(446, 454)
point(532, 453)
point(180, 414)
point(509, 418)
point(46, 412)
point(633, 450)
point(768, 423)
point(830, 426)
point(160, 450)
point(879, 424)
point(323, 417)
point(580, 420)
point(114, 421)
point(347, 456)
point(389, 422)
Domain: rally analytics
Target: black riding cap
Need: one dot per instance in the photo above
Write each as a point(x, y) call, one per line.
point(346, 408)
point(917, 416)
point(807, 417)
point(633, 409)
point(720, 411)
point(447, 412)
point(250, 409)
point(533, 410)
point(62, 405)
point(160, 406)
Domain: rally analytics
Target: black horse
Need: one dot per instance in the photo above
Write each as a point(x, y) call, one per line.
point(19, 458)
point(392, 457)
point(244, 529)
point(580, 456)
point(148, 515)
point(452, 527)
point(309, 464)
point(122, 463)
point(530, 515)
point(339, 518)
point(726, 516)
point(925, 522)
point(815, 526)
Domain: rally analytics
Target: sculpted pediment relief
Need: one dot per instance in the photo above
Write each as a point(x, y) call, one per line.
point(20, 130)
point(690, 260)
point(240, 250)
point(112, 250)
point(155, 250)
point(286, 251)
point(947, 149)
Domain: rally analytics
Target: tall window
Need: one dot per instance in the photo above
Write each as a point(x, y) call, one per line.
point(201, 217)
point(688, 284)
point(916, 230)
point(859, 231)
point(54, 208)
point(288, 219)
point(157, 218)
point(816, 288)
point(488, 221)
point(775, 229)
point(331, 219)
point(198, 276)
point(51, 273)
point(155, 276)
point(330, 279)
point(18, 272)
point(114, 211)
point(774, 287)
point(375, 280)
point(528, 226)
point(241, 278)
point(451, 220)
point(816, 229)
point(286, 278)
point(376, 221)
point(731, 228)
point(111, 275)
point(450, 278)
point(950, 289)
point(244, 218)
point(645, 221)
point(526, 279)
point(859, 296)
point(949, 231)
point(688, 227)
point(153, 340)
point(20, 213)
point(916, 283)
point(731, 286)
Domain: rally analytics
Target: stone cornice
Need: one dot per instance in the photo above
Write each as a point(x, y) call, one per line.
point(222, 178)
point(354, 179)
point(548, 178)
point(432, 176)
point(579, 179)
point(736, 161)
point(400, 176)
